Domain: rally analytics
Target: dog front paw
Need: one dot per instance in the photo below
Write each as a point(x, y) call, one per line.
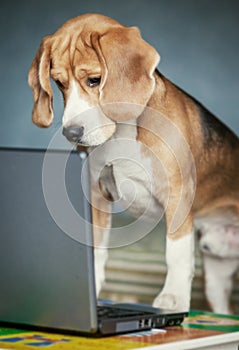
point(171, 302)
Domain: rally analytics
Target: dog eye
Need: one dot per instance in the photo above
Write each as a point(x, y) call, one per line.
point(92, 82)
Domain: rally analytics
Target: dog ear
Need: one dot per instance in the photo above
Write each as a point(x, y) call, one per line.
point(39, 81)
point(127, 64)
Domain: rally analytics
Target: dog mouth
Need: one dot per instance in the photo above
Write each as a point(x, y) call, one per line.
point(77, 135)
point(97, 136)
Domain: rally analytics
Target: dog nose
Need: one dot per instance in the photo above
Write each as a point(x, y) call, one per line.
point(73, 133)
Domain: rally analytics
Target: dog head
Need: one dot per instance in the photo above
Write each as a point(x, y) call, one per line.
point(104, 71)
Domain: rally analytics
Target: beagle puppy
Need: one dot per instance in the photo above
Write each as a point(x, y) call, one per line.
point(152, 147)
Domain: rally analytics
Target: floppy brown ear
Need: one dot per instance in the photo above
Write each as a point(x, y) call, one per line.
point(39, 81)
point(127, 64)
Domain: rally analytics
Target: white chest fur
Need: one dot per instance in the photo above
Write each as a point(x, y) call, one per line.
point(125, 173)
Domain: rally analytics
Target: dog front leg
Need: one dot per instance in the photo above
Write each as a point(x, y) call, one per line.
point(176, 293)
point(101, 216)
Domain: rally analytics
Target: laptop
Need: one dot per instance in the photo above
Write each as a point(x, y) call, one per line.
point(46, 253)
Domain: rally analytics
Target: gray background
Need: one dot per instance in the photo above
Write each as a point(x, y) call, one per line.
point(198, 41)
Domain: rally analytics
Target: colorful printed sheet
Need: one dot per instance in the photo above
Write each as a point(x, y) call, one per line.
point(197, 325)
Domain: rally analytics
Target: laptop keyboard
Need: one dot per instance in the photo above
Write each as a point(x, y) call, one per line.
point(115, 312)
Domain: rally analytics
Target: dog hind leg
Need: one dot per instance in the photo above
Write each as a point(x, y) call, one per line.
point(218, 282)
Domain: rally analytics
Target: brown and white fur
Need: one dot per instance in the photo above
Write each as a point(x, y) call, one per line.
point(97, 62)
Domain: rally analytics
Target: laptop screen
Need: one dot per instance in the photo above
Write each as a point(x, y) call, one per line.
point(47, 277)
